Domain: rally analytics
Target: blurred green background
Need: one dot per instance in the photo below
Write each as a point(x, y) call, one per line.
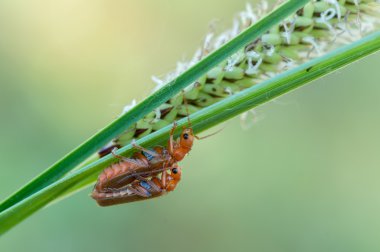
point(304, 178)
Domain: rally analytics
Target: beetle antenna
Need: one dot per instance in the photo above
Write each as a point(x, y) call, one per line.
point(214, 133)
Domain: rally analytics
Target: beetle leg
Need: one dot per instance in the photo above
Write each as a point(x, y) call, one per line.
point(136, 146)
point(139, 191)
point(154, 186)
point(125, 159)
point(163, 179)
point(171, 139)
point(151, 183)
point(118, 156)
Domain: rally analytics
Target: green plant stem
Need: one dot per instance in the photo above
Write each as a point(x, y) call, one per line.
point(201, 120)
point(81, 153)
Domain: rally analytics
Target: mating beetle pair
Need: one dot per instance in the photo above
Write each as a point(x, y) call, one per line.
point(147, 174)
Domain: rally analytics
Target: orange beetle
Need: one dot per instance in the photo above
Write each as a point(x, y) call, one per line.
point(143, 186)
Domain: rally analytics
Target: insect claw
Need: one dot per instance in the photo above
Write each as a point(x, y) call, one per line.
point(173, 128)
point(113, 152)
point(133, 142)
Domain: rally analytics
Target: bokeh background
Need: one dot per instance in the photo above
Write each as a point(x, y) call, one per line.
point(304, 178)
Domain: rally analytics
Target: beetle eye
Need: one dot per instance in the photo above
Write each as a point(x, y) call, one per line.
point(175, 170)
point(186, 136)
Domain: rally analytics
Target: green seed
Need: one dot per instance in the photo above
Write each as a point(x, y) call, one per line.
point(308, 10)
point(275, 58)
point(235, 73)
point(215, 73)
point(271, 39)
point(320, 7)
point(183, 111)
point(304, 22)
point(215, 90)
point(160, 124)
point(205, 100)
